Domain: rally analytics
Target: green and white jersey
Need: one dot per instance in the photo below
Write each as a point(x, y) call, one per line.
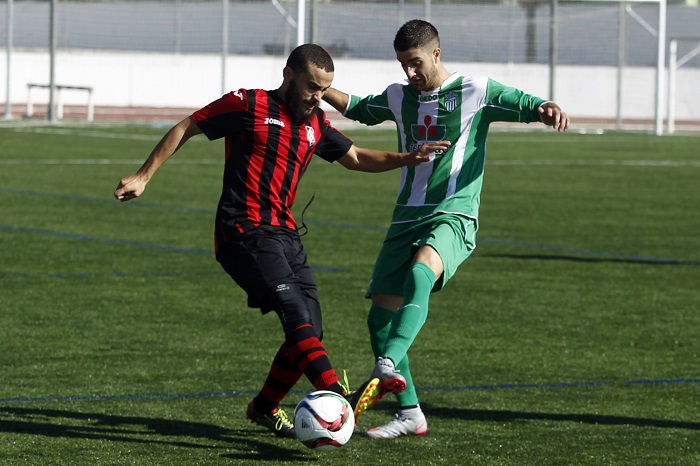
point(460, 111)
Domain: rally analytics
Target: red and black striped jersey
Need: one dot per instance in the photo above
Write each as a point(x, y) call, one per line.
point(266, 155)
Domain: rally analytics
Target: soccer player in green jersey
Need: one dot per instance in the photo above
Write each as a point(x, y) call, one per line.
point(434, 224)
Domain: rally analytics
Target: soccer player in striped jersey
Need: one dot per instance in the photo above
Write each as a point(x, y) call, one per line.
point(434, 224)
point(270, 137)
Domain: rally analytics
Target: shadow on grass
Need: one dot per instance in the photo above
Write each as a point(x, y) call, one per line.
point(144, 430)
point(509, 416)
point(619, 260)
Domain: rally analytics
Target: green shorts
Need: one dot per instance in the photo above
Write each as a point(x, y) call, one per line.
point(452, 236)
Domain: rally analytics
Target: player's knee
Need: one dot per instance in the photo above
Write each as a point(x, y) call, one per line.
point(291, 305)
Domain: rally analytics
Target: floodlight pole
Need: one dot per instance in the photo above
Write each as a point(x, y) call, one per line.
point(51, 113)
point(301, 22)
point(671, 99)
point(553, 18)
point(178, 26)
point(224, 43)
point(8, 102)
point(660, 67)
point(313, 26)
point(621, 34)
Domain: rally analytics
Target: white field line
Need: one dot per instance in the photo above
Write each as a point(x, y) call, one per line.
point(612, 163)
point(89, 133)
point(102, 162)
point(588, 163)
point(81, 132)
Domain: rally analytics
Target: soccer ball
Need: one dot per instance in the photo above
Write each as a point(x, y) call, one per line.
point(324, 420)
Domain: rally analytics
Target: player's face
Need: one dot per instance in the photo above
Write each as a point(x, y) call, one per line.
point(420, 66)
point(306, 90)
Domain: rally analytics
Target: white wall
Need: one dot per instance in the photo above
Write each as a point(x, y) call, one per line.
point(191, 81)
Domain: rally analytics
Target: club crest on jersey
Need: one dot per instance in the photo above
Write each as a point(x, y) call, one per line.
point(310, 136)
point(450, 101)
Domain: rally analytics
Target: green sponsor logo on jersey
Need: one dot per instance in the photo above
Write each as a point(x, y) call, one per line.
point(428, 131)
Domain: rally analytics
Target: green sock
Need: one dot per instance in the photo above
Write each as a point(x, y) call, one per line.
point(412, 315)
point(379, 322)
point(408, 397)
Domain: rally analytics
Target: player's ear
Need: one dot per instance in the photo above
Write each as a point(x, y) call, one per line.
point(287, 73)
point(436, 55)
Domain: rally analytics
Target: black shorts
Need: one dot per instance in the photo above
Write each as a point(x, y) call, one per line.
point(271, 266)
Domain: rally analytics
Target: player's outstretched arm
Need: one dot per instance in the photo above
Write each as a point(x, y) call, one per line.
point(552, 115)
point(372, 160)
point(133, 186)
point(338, 100)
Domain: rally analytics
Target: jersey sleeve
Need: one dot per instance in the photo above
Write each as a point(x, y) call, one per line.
point(504, 103)
point(370, 110)
point(333, 144)
point(223, 116)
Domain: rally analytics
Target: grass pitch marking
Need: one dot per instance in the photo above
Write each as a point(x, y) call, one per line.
point(534, 163)
point(331, 224)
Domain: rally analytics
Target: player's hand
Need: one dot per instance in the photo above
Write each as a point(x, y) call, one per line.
point(130, 187)
point(426, 152)
point(552, 115)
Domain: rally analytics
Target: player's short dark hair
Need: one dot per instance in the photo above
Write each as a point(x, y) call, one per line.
point(301, 56)
point(415, 34)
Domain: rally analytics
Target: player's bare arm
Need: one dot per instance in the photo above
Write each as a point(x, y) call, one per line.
point(133, 186)
point(338, 100)
point(552, 115)
point(372, 160)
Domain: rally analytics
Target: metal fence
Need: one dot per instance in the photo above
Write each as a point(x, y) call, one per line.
point(520, 32)
point(517, 31)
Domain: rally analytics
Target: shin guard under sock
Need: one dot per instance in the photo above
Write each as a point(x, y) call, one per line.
point(412, 315)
